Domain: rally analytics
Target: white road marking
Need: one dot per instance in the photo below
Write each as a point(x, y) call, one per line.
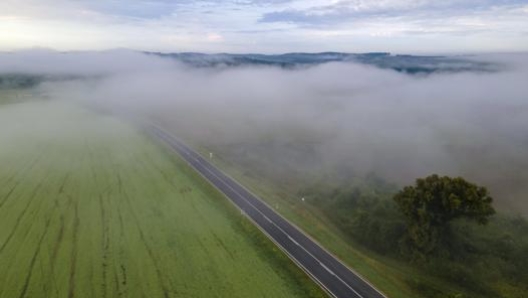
point(293, 240)
point(327, 269)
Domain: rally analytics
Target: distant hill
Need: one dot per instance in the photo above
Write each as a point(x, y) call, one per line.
point(402, 63)
point(409, 64)
point(19, 81)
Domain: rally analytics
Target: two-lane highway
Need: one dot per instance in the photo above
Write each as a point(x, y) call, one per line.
point(334, 277)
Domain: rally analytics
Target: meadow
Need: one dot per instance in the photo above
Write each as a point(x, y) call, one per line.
point(91, 207)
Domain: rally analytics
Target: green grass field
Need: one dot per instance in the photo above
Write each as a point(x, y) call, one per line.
point(90, 207)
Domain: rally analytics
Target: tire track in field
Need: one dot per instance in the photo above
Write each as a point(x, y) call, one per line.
point(19, 218)
point(6, 197)
point(122, 253)
point(22, 169)
point(105, 243)
point(19, 181)
point(73, 255)
point(145, 243)
point(61, 187)
point(118, 276)
point(205, 221)
point(60, 235)
point(34, 258)
point(54, 253)
point(30, 165)
point(59, 240)
point(121, 286)
point(154, 169)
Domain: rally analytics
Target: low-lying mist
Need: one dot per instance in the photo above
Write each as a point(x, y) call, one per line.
point(341, 119)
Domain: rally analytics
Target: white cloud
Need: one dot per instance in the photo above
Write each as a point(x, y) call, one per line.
point(233, 25)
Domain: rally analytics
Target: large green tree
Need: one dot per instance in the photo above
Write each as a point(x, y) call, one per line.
point(434, 202)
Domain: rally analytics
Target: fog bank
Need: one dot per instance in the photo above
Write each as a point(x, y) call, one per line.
point(344, 118)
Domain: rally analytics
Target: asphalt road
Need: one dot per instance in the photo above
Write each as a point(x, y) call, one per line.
point(325, 269)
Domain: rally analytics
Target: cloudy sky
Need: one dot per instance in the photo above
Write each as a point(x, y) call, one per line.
point(267, 26)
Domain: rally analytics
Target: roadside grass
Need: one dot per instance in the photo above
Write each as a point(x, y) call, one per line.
point(89, 207)
point(394, 278)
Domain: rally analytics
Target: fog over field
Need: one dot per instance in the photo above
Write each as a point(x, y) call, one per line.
point(342, 117)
